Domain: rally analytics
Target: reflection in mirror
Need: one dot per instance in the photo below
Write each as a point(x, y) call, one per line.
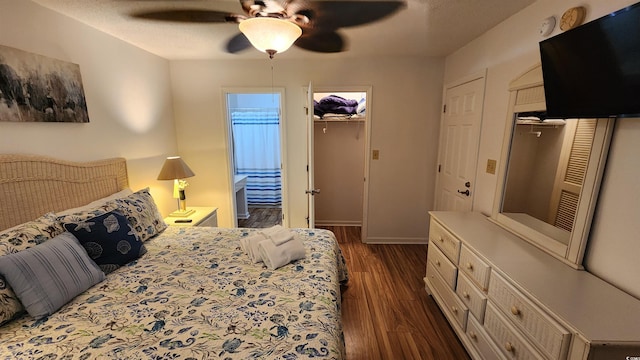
point(546, 168)
point(550, 173)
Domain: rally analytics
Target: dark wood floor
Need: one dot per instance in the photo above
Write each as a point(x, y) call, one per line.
point(261, 218)
point(386, 311)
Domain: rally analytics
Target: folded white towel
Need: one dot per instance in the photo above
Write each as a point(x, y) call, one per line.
point(554, 122)
point(529, 118)
point(271, 230)
point(281, 236)
point(275, 256)
point(278, 234)
point(249, 245)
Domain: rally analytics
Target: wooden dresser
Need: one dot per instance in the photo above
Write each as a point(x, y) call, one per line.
point(506, 299)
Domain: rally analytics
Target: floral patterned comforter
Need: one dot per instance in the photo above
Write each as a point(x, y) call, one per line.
point(196, 295)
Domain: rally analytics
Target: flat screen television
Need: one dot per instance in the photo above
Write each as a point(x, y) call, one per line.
point(593, 71)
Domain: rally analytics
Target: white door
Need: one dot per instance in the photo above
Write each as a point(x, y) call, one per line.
point(311, 190)
point(459, 139)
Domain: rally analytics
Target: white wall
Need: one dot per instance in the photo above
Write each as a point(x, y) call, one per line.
point(127, 92)
point(614, 245)
point(406, 98)
point(508, 50)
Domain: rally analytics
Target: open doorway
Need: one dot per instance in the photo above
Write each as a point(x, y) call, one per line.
point(254, 121)
point(340, 137)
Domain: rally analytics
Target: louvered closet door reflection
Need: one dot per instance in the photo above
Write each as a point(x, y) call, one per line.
point(571, 171)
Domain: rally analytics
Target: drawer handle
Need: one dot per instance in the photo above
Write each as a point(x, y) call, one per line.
point(466, 295)
point(509, 347)
point(473, 336)
point(515, 311)
point(438, 262)
point(454, 309)
point(441, 239)
point(469, 266)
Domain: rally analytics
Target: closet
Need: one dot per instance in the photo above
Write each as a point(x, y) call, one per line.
point(340, 140)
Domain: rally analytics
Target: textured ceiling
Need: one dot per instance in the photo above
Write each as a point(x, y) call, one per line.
point(423, 27)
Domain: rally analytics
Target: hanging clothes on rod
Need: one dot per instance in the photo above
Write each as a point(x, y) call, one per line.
point(534, 132)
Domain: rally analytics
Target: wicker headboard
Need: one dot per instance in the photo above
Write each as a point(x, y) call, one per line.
point(31, 186)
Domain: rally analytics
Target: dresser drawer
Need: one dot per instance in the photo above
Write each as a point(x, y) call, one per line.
point(550, 337)
point(451, 304)
point(481, 341)
point(471, 296)
point(449, 244)
point(507, 338)
point(446, 268)
point(476, 268)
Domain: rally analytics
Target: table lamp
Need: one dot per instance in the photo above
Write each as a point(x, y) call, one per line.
point(174, 168)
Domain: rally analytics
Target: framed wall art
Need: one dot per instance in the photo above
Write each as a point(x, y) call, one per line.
point(36, 88)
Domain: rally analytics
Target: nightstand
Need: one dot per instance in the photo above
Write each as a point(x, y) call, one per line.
point(204, 216)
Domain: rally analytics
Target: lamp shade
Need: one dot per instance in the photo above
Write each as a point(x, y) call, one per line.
point(270, 34)
point(174, 168)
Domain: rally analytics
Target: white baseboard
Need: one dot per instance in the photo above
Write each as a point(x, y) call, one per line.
point(387, 240)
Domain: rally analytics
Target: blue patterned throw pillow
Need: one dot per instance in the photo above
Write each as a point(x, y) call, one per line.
point(109, 240)
point(142, 213)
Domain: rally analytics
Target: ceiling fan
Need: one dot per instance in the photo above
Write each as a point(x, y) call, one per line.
point(319, 21)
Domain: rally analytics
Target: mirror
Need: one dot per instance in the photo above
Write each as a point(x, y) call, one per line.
point(546, 168)
point(550, 173)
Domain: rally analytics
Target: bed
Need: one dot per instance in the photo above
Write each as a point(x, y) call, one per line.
point(191, 294)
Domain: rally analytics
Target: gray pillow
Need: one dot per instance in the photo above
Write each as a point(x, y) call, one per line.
point(47, 276)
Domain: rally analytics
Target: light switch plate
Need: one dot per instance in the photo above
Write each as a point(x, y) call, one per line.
point(491, 166)
point(375, 154)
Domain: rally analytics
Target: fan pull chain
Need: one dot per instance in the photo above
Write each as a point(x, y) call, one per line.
point(272, 91)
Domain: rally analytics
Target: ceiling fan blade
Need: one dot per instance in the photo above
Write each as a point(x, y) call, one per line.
point(323, 42)
point(187, 15)
point(337, 14)
point(237, 43)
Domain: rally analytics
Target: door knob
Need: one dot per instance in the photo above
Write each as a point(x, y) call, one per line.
point(466, 192)
point(312, 192)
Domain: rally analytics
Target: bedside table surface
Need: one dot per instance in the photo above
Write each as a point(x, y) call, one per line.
point(201, 214)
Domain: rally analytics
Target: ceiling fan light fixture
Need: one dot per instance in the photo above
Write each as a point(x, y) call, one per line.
point(270, 35)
